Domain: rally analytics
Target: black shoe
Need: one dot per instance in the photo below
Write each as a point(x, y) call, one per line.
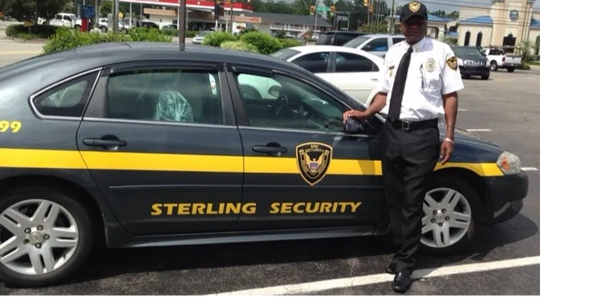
point(391, 269)
point(402, 282)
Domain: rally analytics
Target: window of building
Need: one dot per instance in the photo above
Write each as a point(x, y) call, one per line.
point(467, 38)
point(479, 38)
point(66, 100)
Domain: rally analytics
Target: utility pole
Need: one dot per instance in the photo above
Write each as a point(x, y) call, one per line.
point(182, 24)
point(231, 14)
point(116, 16)
point(392, 18)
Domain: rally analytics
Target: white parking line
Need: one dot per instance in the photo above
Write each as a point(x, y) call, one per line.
point(529, 169)
point(317, 286)
point(478, 130)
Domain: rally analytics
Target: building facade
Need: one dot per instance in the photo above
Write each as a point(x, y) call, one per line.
point(505, 24)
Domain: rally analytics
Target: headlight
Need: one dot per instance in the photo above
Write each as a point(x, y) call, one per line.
point(487, 63)
point(509, 163)
point(460, 63)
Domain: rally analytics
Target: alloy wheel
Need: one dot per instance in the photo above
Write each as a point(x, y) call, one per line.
point(447, 217)
point(37, 237)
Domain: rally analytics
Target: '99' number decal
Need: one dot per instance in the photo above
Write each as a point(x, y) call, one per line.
point(14, 126)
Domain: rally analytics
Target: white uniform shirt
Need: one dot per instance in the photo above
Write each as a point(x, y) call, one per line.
point(429, 77)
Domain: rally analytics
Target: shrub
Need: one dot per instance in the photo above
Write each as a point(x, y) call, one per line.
point(287, 43)
point(239, 45)
point(38, 31)
point(265, 43)
point(65, 39)
point(217, 38)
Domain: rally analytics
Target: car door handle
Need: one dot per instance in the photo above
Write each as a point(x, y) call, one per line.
point(375, 79)
point(269, 149)
point(104, 143)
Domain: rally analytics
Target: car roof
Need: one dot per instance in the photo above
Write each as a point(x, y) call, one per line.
point(88, 57)
point(384, 34)
point(315, 48)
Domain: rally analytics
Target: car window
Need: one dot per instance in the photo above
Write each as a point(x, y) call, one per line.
point(313, 62)
point(379, 44)
point(285, 53)
point(280, 102)
point(186, 96)
point(66, 100)
point(357, 41)
point(349, 62)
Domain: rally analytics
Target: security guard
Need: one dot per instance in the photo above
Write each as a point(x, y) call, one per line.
point(419, 83)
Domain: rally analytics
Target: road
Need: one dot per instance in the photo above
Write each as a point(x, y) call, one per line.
point(504, 109)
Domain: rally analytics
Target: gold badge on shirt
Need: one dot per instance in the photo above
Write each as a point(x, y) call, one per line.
point(430, 65)
point(391, 70)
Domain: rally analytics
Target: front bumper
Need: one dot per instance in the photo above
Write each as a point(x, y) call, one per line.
point(466, 70)
point(506, 196)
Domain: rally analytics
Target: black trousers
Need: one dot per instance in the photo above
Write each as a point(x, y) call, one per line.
point(408, 160)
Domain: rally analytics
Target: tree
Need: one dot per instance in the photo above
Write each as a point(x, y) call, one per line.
point(31, 10)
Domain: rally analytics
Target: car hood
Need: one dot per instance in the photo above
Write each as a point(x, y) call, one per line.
point(472, 57)
point(470, 146)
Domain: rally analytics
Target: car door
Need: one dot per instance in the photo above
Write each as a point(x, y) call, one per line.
point(300, 169)
point(317, 63)
point(355, 74)
point(163, 147)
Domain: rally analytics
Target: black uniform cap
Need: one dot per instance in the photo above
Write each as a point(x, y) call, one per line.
point(411, 9)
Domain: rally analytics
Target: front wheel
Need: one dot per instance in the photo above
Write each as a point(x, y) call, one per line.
point(45, 236)
point(452, 211)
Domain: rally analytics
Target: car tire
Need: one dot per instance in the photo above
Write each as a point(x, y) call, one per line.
point(72, 212)
point(494, 66)
point(485, 77)
point(468, 204)
point(510, 70)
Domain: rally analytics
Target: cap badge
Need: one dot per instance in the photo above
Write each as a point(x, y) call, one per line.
point(414, 6)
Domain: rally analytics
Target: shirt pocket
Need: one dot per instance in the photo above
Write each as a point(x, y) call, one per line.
point(431, 82)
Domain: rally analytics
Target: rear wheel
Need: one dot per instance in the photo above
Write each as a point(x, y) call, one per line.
point(510, 70)
point(45, 236)
point(494, 66)
point(452, 213)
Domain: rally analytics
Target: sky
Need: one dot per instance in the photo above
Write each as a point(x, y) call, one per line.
point(453, 4)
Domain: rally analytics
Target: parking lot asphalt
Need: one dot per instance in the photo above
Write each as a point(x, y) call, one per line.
point(504, 109)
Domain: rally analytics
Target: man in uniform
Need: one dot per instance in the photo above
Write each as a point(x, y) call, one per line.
point(420, 83)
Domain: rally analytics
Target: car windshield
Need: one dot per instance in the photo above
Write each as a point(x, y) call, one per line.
point(466, 51)
point(356, 42)
point(285, 54)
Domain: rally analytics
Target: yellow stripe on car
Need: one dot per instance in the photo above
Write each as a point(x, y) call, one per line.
point(97, 160)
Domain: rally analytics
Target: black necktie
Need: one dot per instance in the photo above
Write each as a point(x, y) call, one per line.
point(398, 89)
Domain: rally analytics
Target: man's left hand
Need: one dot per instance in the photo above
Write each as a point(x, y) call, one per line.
point(446, 151)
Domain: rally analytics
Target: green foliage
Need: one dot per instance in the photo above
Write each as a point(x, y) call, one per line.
point(34, 32)
point(65, 39)
point(287, 43)
point(175, 32)
point(373, 28)
point(265, 43)
point(239, 45)
point(217, 38)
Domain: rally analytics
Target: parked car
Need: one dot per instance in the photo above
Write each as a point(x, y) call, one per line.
point(500, 60)
point(68, 20)
point(198, 39)
point(104, 27)
point(354, 71)
point(471, 62)
point(377, 44)
point(337, 37)
point(125, 145)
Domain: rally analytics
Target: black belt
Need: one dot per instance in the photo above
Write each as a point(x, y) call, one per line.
point(413, 125)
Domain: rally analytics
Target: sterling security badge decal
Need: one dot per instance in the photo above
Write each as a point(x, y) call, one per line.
point(313, 161)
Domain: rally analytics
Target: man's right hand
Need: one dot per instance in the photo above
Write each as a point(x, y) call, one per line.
point(356, 114)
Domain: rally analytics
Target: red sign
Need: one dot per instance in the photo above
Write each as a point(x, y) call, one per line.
point(245, 6)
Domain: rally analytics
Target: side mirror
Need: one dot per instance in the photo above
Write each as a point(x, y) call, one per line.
point(274, 91)
point(353, 126)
